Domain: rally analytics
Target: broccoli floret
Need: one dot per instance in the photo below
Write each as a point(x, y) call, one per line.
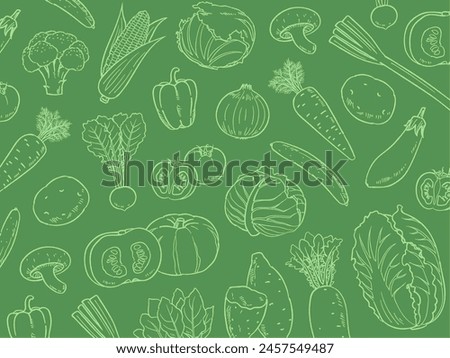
point(54, 54)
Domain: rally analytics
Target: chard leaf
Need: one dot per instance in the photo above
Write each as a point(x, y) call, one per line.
point(193, 314)
point(133, 131)
point(113, 129)
point(151, 326)
point(378, 258)
point(208, 320)
point(98, 139)
point(170, 318)
point(178, 298)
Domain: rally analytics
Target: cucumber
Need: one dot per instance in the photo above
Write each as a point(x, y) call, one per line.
point(8, 234)
point(75, 9)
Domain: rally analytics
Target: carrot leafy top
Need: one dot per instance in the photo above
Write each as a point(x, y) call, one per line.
point(288, 79)
point(51, 127)
point(315, 256)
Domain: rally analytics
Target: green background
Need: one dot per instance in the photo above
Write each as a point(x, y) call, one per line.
point(326, 71)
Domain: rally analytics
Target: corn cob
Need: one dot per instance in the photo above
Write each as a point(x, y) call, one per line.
point(8, 25)
point(127, 47)
point(132, 37)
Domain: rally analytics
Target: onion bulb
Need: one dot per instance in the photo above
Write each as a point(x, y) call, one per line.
point(243, 114)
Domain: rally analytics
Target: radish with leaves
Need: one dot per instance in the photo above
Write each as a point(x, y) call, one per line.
point(316, 256)
point(311, 106)
point(115, 140)
point(29, 149)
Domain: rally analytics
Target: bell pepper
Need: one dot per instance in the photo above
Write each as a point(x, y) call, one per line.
point(175, 101)
point(31, 322)
point(427, 39)
point(116, 258)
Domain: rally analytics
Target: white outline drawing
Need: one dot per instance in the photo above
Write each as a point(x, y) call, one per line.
point(45, 264)
point(350, 37)
point(392, 165)
point(433, 193)
point(368, 99)
point(95, 319)
point(243, 113)
point(8, 25)
point(296, 24)
point(8, 234)
point(117, 258)
point(399, 270)
point(425, 44)
point(9, 101)
point(383, 15)
point(75, 9)
point(29, 149)
point(64, 191)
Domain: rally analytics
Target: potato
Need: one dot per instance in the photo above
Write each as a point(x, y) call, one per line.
point(61, 201)
point(368, 99)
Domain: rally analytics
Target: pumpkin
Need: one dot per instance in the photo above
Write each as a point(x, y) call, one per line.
point(189, 243)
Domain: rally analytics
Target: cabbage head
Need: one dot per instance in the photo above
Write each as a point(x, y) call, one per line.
point(270, 206)
point(216, 36)
point(399, 270)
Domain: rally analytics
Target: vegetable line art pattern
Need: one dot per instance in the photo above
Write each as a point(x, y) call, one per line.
point(189, 243)
point(8, 234)
point(30, 322)
point(8, 25)
point(216, 36)
point(62, 201)
point(392, 165)
point(181, 316)
point(95, 319)
point(243, 113)
point(29, 149)
point(399, 270)
point(296, 24)
point(9, 101)
point(310, 106)
point(350, 37)
point(300, 157)
point(245, 308)
point(433, 190)
point(129, 44)
point(174, 179)
point(122, 257)
point(368, 99)
point(208, 156)
point(114, 140)
point(383, 15)
point(426, 39)
point(262, 205)
point(176, 101)
point(54, 54)
point(315, 256)
point(45, 264)
point(77, 10)
point(263, 277)
point(262, 307)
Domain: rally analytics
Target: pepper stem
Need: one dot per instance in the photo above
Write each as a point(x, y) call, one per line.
point(27, 305)
point(3, 87)
point(48, 274)
point(173, 75)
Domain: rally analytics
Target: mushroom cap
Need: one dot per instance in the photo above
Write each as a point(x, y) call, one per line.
point(291, 18)
point(41, 257)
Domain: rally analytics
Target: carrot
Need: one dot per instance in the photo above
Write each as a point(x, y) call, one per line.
point(393, 164)
point(29, 149)
point(315, 257)
point(311, 106)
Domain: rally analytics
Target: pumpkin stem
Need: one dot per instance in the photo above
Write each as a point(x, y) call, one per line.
point(173, 75)
point(27, 304)
point(179, 223)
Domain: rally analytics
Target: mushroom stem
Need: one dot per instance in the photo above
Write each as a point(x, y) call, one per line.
point(300, 40)
point(48, 273)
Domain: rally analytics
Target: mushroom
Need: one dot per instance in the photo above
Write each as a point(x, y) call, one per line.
point(45, 264)
point(295, 24)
